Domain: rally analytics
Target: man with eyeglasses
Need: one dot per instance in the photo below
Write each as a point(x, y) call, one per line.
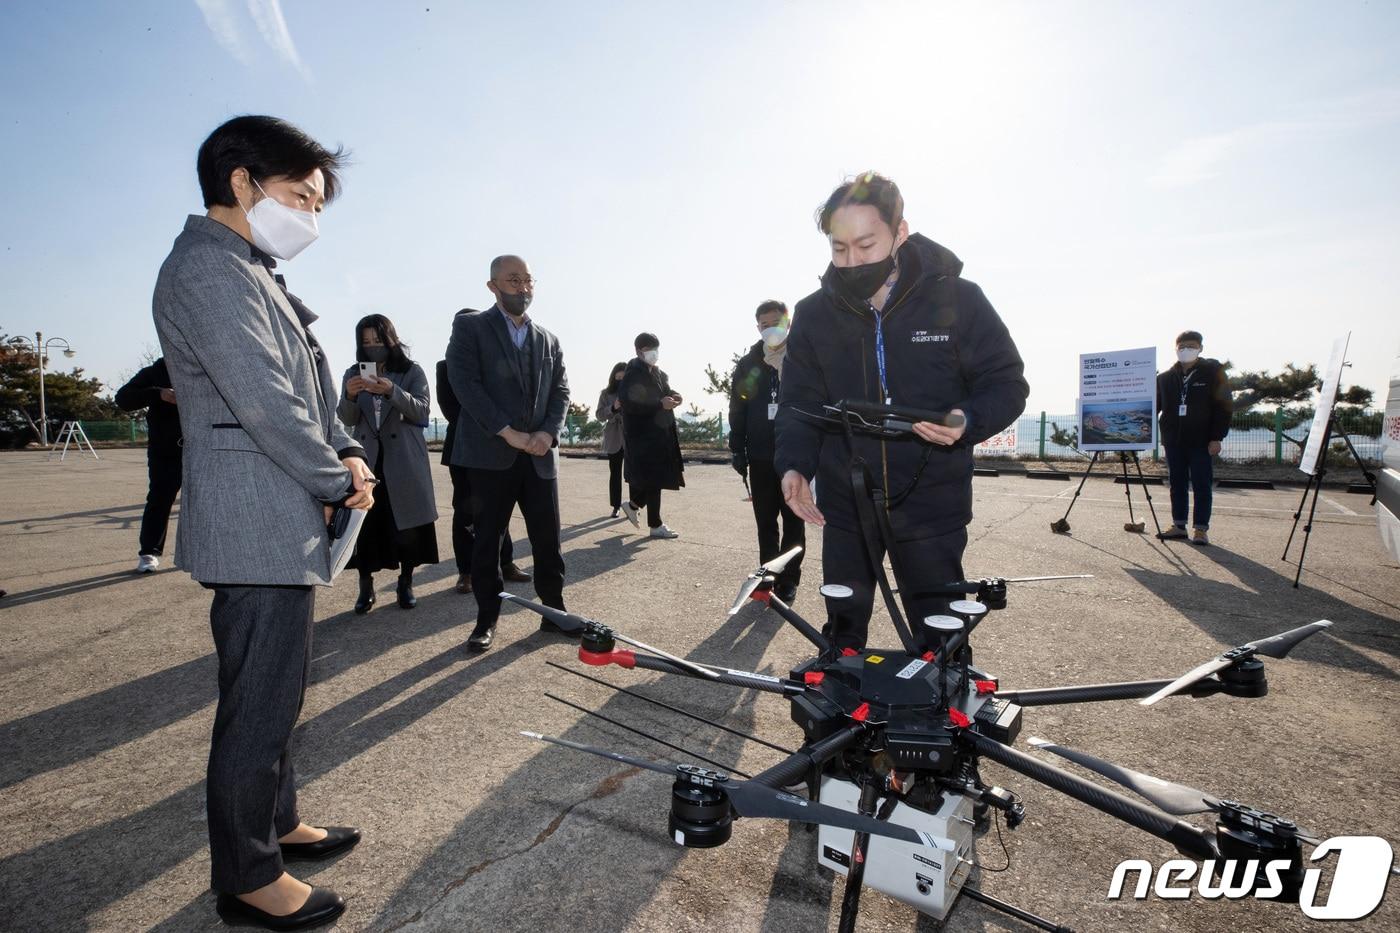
point(508, 374)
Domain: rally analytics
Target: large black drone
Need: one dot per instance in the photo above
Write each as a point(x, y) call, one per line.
point(893, 739)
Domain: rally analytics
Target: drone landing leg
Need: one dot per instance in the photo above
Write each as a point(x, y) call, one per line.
point(850, 902)
point(1062, 526)
point(1022, 915)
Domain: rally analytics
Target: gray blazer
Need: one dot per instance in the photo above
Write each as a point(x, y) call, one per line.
point(493, 396)
point(612, 423)
point(404, 469)
point(257, 407)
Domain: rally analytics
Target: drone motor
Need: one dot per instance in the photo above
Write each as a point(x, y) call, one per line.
point(701, 815)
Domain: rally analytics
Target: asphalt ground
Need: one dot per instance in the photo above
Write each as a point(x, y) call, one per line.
point(108, 691)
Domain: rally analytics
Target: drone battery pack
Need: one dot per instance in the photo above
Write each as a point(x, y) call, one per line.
point(999, 720)
point(925, 878)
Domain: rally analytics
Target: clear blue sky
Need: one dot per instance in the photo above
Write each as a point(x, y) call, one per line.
point(1110, 173)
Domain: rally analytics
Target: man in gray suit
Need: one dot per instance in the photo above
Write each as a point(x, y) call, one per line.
point(508, 374)
point(265, 460)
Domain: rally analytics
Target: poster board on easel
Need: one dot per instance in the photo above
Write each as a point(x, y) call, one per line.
point(1326, 401)
point(1118, 400)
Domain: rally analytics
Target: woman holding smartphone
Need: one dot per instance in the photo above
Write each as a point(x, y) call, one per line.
point(652, 445)
point(384, 403)
point(610, 413)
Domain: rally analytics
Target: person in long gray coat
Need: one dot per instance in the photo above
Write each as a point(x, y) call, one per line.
point(387, 414)
point(264, 462)
point(610, 413)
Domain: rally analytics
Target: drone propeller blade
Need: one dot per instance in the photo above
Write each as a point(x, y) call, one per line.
point(752, 582)
point(761, 801)
point(1176, 799)
point(1062, 576)
point(565, 620)
point(1275, 646)
point(604, 753)
point(1190, 677)
point(1278, 646)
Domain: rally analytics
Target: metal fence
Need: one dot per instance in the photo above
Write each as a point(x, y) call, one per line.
point(1269, 437)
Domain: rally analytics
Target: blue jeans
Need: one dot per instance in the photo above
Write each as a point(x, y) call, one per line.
point(1190, 466)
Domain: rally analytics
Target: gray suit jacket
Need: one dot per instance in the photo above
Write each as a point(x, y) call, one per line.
point(492, 395)
point(399, 439)
point(257, 408)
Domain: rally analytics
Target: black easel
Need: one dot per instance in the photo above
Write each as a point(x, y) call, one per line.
point(1314, 485)
point(1062, 526)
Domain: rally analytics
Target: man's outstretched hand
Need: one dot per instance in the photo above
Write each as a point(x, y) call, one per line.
point(797, 493)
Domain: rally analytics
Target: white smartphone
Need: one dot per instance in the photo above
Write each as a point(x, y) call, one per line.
point(369, 370)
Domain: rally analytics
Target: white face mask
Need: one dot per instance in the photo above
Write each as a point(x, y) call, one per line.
point(1187, 354)
point(774, 337)
point(281, 231)
point(650, 357)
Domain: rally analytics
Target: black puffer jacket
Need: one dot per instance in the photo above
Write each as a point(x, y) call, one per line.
point(1208, 404)
point(751, 390)
point(651, 446)
point(945, 348)
point(162, 418)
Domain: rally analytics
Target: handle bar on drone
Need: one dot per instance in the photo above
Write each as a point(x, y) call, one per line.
point(1098, 693)
point(802, 762)
point(900, 413)
point(1188, 839)
point(725, 675)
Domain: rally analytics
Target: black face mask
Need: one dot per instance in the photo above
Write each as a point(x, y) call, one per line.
point(375, 354)
point(860, 283)
point(514, 305)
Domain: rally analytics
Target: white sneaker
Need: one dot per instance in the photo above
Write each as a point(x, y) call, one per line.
point(661, 531)
point(630, 511)
point(147, 563)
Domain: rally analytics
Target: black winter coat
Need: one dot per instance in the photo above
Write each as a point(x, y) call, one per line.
point(1208, 405)
point(162, 418)
point(652, 448)
point(945, 348)
point(752, 388)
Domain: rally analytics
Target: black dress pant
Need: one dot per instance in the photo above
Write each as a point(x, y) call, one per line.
point(262, 635)
point(928, 561)
point(649, 499)
point(164, 471)
point(463, 540)
point(494, 494)
point(768, 504)
point(615, 478)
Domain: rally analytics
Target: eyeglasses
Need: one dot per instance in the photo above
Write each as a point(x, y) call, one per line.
point(517, 282)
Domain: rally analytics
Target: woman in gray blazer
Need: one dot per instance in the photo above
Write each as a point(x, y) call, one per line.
point(387, 414)
point(610, 413)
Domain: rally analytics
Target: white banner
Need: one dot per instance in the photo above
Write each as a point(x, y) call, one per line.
point(1000, 444)
point(1325, 400)
point(1118, 400)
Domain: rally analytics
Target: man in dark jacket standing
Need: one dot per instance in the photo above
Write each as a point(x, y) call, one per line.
point(508, 374)
point(1193, 412)
point(651, 445)
point(463, 541)
point(753, 407)
point(892, 323)
point(150, 389)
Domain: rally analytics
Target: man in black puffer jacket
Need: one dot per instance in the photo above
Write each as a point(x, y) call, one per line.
point(892, 323)
point(1194, 406)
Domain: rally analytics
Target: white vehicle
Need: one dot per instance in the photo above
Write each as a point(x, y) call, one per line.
point(1388, 485)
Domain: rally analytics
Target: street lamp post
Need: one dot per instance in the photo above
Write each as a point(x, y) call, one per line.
point(41, 349)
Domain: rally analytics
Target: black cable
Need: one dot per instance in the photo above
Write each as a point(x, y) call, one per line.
point(674, 709)
point(980, 867)
point(676, 748)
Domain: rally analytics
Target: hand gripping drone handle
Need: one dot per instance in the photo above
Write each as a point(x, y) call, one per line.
point(1188, 839)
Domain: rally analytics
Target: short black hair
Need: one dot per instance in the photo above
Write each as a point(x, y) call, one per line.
point(645, 341)
point(870, 188)
point(398, 361)
point(268, 148)
point(772, 304)
point(1189, 335)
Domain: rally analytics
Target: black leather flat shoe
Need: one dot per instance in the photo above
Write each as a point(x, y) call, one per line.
point(406, 598)
point(481, 640)
point(323, 906)
point(338, 839)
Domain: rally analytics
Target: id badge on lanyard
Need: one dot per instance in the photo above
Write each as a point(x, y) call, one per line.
point(1181, 409)
point(773, 399)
